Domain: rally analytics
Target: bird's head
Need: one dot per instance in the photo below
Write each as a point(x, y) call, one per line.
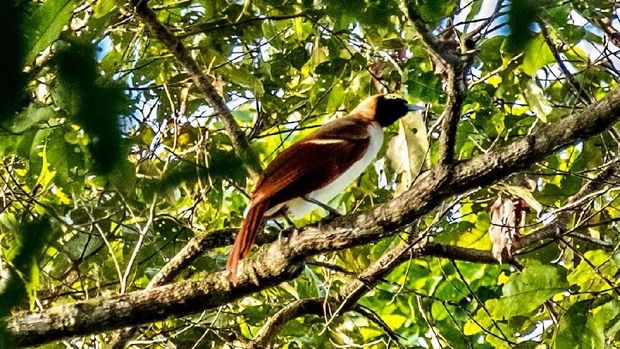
point(384, 109)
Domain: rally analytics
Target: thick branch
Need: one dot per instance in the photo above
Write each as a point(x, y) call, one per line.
point(203, 82)
point(283, 260)
point(349, 296)
point(455, 87)
point(186, 256)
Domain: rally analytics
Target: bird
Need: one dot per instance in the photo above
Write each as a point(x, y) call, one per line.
point(318, 167)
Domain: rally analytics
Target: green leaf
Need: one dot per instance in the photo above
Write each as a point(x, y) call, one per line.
point(527, 290)
point(243, 78)
point(491, 50)
point(103, 7)
point(607, 316)
point(588, 279)
point(96, 104)
point(243, 115)
point(335, 98)
point(521, 15)
point(28, 118)
point(537, 55)
point(45, 25)
point(576, 329)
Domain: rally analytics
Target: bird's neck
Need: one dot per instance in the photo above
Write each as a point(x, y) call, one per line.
point(366, 109)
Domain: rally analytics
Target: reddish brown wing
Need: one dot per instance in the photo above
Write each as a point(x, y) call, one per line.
point(312, 162)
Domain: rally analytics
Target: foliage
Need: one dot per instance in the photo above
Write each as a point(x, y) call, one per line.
point(108, 142)
point(19, 279)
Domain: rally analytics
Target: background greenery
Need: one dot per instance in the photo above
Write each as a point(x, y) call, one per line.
point(111, 160)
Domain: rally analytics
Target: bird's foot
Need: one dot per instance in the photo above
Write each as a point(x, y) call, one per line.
point(289, 221)
point(292, 236)
point(286, 232)
point(333, 214)
point(253, 275)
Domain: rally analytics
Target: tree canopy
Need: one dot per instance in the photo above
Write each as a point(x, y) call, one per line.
point(133, 132)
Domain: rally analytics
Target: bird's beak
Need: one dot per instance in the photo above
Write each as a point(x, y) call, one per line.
point(414, 107)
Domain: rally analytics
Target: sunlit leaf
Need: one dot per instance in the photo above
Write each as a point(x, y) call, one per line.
point(576, 329)
point(407, 151)
point(103, 7)
point(538, 102)
point(537, 54)
point(523, 193)
point(244, 78)
point(527, 290)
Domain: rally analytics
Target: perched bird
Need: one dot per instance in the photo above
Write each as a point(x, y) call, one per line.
point(318, 167)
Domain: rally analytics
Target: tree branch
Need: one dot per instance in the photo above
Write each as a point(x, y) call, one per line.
point(555, 228)
point(274, 323)
point(612, 33)
point(194, 248)
point(437, 47)
point(455, 88)
point(454, 61)
point(202, 81)
point(283, 260)
point(349, 297)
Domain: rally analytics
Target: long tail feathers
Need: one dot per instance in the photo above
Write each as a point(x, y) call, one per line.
point(246, 237)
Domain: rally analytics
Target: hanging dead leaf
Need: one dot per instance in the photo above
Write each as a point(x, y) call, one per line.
point(503, 229)
point(537, 101)
point(406, 152)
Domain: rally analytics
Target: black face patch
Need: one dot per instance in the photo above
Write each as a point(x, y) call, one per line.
point(389, 110)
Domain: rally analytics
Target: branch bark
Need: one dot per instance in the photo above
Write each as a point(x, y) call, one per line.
point(238, 139)
point(349, 296)
point(186, 256)
point(283, 260)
